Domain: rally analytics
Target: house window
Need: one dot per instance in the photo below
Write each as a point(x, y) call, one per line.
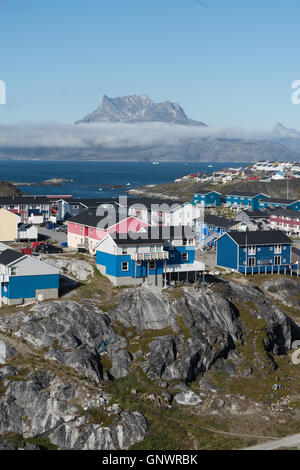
point(252, 250)
point(13, 271)
point(251, 262)
point(277, 249)
point(125, 266)
point(185, 256)
point(152, 265)
point(184, 241)
point(124, 250)
point(152, 249)
point(277, 260)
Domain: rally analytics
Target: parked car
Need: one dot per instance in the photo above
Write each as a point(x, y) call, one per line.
point(50, 249)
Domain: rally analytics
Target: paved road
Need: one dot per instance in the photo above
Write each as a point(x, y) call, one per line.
point(290, 441)
point(57, 236)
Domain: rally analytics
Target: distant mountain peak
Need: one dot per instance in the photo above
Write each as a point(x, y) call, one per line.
point(283, 131)
point(138, 108)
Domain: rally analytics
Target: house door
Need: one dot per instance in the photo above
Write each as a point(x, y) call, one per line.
point(277, 260)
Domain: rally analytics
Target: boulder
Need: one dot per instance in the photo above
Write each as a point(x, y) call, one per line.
point(6, 352)
point(187, 398)
point(121, 361)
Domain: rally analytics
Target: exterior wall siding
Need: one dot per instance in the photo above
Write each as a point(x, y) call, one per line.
point(25, 287)
point(208, 200)
point(230, 255)
point(227, 252)
point(252, 202)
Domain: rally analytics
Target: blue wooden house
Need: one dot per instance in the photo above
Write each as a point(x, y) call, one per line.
point(25, 278)
point(154, 255)
point(239, 200)
point(207, 198)
point(255, 252)
point(274, 203)
point(211, 227)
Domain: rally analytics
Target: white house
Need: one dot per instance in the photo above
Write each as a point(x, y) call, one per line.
point(27, 232)
point(37, 218)
point(183, 214)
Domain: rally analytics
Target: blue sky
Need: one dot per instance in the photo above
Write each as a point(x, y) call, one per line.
point(231, 64)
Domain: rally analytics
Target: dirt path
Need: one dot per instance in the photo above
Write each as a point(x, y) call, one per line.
point(290, 441)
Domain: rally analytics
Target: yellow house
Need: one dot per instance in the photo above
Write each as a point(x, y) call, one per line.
point(8, 225)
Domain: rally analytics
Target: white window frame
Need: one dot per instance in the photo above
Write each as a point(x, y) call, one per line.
point(252, 250)
point(184, 256)
point(123, 266)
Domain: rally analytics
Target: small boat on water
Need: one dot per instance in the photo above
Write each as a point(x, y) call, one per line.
point(210, 166)
point(155, 163)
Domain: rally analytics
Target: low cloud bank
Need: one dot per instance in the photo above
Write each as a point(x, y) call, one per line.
point(113, 135)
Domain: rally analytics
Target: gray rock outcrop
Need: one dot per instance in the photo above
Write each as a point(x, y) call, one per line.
point(6, 352)
point(145, 308)
point(80, 269)
point(70, 332)
point(40, 405)
point(212, 327)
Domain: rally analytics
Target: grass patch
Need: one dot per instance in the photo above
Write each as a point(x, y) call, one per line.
point(19, 441)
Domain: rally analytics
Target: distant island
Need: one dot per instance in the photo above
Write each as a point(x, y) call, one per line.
point(48, 182)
